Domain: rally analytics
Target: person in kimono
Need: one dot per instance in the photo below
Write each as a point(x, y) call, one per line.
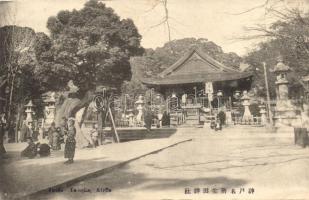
point(94, 135)
point(56, 139)
point(64, 126)
point(70, 142)
point(51, 131)
point(31, 150)
point(148, 117)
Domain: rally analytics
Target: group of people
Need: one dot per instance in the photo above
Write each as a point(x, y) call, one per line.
point(56, 136)
point(64, 134)
point(219, 122)
point(33, 149)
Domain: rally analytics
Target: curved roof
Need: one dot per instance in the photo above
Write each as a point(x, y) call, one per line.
point(196, 67)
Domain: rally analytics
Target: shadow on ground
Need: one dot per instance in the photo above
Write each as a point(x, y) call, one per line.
point(31, 176)
point(125, 179)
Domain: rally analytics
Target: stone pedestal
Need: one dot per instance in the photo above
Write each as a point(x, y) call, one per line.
point(285, 113)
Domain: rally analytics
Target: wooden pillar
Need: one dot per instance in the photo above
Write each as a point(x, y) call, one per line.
point(101, 125)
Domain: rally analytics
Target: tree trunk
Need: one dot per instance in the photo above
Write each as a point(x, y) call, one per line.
point(84, 102)
point(83, 116)
point(71, 106)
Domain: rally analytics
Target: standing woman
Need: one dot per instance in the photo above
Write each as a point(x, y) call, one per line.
point(70, 142)
point(51, 131)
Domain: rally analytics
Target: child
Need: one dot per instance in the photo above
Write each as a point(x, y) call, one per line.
point(70, 142)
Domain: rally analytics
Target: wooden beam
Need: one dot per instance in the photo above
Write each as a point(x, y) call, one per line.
point(113, 123)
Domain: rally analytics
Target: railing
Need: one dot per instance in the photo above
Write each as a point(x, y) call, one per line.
point(247, 121)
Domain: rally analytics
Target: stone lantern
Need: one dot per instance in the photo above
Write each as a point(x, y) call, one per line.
point(29, 113)
point(140, 107)
point(263, 114)
point(281, 70)
point(246, 103)
point(50, 110)
point(285, 111)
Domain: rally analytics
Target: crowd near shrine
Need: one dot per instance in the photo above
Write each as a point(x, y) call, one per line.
point(87, 90)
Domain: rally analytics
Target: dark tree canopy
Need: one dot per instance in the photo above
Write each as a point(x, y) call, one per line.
point(17, 58)
point(91, 46)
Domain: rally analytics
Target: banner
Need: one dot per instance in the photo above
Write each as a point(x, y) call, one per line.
point(209, 88)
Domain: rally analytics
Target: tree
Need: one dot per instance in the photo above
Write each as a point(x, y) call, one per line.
point(18, 63)
point(91, 47)
point(287, 37)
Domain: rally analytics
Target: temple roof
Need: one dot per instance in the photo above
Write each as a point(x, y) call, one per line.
point(196, 67)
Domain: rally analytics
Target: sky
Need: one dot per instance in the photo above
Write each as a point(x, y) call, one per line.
point(211, 19)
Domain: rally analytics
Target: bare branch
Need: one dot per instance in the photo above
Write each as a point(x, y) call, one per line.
point(252, 9)
point(153, 6)
point(166, 18)
point(163, 21)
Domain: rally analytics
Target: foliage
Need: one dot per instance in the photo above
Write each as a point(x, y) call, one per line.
point(91, 46)
point(18, 61)
point(288, 38)
point(155, 61)
point(133, 88)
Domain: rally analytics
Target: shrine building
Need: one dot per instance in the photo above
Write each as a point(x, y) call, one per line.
point(197, 81)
